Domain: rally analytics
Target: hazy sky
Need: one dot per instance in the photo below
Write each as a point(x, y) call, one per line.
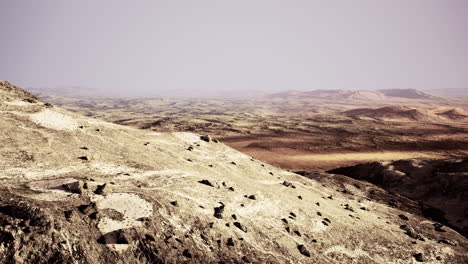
point(139, 47)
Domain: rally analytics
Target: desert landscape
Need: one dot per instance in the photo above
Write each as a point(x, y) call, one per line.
point(226, 132)
point(313, 131)
point(172, 197)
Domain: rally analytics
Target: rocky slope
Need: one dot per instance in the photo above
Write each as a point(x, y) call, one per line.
point(79, 190)
point(440, 184)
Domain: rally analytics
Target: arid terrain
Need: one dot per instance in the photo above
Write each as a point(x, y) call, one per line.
point(316, 130)
point(75, 189)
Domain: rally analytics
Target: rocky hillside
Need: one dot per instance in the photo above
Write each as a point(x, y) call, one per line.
point(80, 190)
point(440, 184)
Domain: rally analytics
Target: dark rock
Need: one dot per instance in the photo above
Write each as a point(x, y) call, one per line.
point(87, 208)
point(300, 197)
point(218, 211)
point(174, 203)
point(187, 253)
point(230, 242)
point(68, 214)
point(252, 197)
point(206, 138)
point(206, 182)
point(231, 189)
point(100, 189)
point(403, 217)
point(292, 214)
point(348, 207)
point(419, 257)
point(240, 226)
point(83, 158)
point(303, 250)
point(190, 148)
point(448, 242)
point(93, 215)
point(234, 217)
point(411, 232)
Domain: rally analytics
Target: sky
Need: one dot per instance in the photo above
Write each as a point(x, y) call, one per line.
point(150, 47)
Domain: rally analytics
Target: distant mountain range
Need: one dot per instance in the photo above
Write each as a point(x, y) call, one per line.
point(355, 94)
point(374, 95)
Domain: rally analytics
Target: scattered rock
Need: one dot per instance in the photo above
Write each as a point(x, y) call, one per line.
point(230, 242)
point(303, 250)
point(411, 232)
point(68, 214)
point(206, 138)
point(300, 197)
point(231, 189)
point(100, 189)
point(448, 242)
point(206, 182)
point(74, 187)
point(218, 211)
point(234, 217)
point(252, 197)
point(146, 143)
point(190, 148)
point(187, 253)
point(83, 158)
point(349, 208)
point(240, 226)
point(87, 208)
point(174, 203)
point(419, 257)
point(233, 163)
point(403, 217)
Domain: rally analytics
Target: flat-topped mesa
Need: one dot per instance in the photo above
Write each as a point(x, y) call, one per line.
point(9, 93)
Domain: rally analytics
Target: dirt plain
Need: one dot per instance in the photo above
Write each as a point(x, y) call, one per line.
point(299, 131)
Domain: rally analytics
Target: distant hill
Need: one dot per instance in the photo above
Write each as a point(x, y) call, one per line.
point(450, 92)
point(407, 113)
point(376, 95)
point(407, 93)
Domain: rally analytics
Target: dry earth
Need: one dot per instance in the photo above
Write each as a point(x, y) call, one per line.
point(79, 190)
point(318, 131)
